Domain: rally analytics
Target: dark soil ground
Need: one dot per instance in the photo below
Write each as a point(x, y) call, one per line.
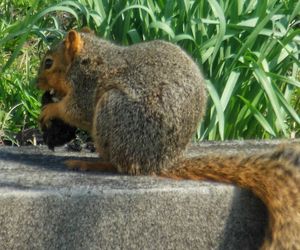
point(33, 136)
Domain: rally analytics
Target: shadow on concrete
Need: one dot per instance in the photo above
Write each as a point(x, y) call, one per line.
point(246, 223)
point(36, 159)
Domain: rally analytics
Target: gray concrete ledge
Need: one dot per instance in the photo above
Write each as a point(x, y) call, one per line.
point(45, 206)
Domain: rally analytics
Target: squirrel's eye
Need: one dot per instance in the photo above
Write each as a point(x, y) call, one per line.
point(48, 63)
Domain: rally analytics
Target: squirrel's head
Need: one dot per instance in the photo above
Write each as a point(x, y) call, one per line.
point(54, 67)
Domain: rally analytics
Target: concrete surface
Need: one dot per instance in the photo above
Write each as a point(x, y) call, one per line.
point(45, 206)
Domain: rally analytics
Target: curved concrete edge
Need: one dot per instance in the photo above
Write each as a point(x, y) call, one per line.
point(44, 206)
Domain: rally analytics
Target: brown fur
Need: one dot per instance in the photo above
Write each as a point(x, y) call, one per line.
point(141, 105)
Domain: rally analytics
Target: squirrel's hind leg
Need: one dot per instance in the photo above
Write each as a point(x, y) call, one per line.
point(91, 166)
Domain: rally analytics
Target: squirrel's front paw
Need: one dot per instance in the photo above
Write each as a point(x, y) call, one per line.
point(48, 113)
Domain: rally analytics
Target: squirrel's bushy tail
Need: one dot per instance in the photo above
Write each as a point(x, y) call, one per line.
point(273, 177)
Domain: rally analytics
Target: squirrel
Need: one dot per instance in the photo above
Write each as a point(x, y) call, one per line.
point(141, 104)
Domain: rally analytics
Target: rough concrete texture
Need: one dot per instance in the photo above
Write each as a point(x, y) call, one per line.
point(45, 206)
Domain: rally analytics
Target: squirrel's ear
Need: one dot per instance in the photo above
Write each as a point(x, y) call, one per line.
point(73, 43)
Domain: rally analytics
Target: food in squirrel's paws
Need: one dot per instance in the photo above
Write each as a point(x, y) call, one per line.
point(58, 133)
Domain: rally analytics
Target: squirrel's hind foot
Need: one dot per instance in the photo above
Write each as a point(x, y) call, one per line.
point(90, 166)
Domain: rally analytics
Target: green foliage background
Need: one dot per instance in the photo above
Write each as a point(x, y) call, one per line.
point(248, 51)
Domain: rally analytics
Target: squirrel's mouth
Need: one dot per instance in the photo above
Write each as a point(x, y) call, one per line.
point(54, 95)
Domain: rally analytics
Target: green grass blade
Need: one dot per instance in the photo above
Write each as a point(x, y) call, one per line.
point(217, 103)
point(295, 12)
point(288, 107)
point(229, 87)
point(259, 117)
point(182, 37)
point(218, 12)
point(135, 6)
point(162, 26)
point(267, 86)
point(254, 34)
